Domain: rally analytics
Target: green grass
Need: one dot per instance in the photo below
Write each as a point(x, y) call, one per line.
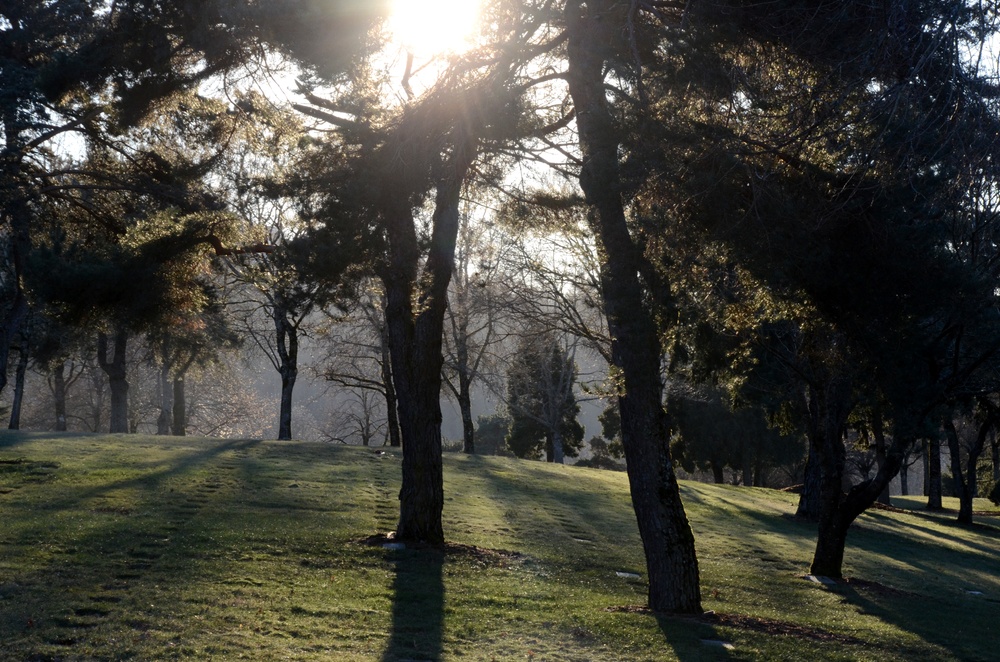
point(153, 548)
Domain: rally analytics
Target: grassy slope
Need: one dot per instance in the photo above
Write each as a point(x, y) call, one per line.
point(142, 548)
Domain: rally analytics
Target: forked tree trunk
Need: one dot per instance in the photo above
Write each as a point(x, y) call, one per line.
point(414, 314)
point(965, 477)
point(838, 515)
point(667, 539)
point(117, 371)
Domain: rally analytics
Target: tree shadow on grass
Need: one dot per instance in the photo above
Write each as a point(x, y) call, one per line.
point(417, 606)
point(706, 644)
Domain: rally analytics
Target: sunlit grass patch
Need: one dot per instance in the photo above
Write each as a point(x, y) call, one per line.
point(130, 547)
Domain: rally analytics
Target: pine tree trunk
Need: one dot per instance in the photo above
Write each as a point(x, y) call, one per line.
point(116, 370)
point(934, 474)
point(178, 427)
point(19, 375)
point(18, 216)
point(904, 486)
point(415, 324)
point(59, 395)
point(668, 542)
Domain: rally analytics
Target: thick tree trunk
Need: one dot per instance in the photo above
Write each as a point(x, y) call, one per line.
point(934, 474)
point(667, 539)
point(558, 452)
point(116, 370)
point(178, 426)
point(415, 323)
point(718, 473)
point(59, 395)
point(19, 374)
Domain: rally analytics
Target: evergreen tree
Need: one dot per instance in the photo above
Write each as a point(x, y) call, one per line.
point(541, 400)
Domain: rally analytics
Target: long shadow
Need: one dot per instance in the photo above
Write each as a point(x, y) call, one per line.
point(417, 606)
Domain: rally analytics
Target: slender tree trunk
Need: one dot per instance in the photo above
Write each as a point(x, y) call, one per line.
point(59, 395)
point(178, 427)
point(117, 372)
point(415, 331)
point(667, 539)
point(465, 407)
point(904, 487)
point(166, 399)
point(287, 345)
point(19, 375)
point(934, 474)
point(389, 391)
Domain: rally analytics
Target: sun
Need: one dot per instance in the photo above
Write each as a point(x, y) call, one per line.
point(433, 27)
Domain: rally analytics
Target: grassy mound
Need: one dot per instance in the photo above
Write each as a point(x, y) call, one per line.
point(132, 547)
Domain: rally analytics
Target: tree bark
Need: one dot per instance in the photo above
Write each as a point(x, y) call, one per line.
point(668, 542)
point(117, 371)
